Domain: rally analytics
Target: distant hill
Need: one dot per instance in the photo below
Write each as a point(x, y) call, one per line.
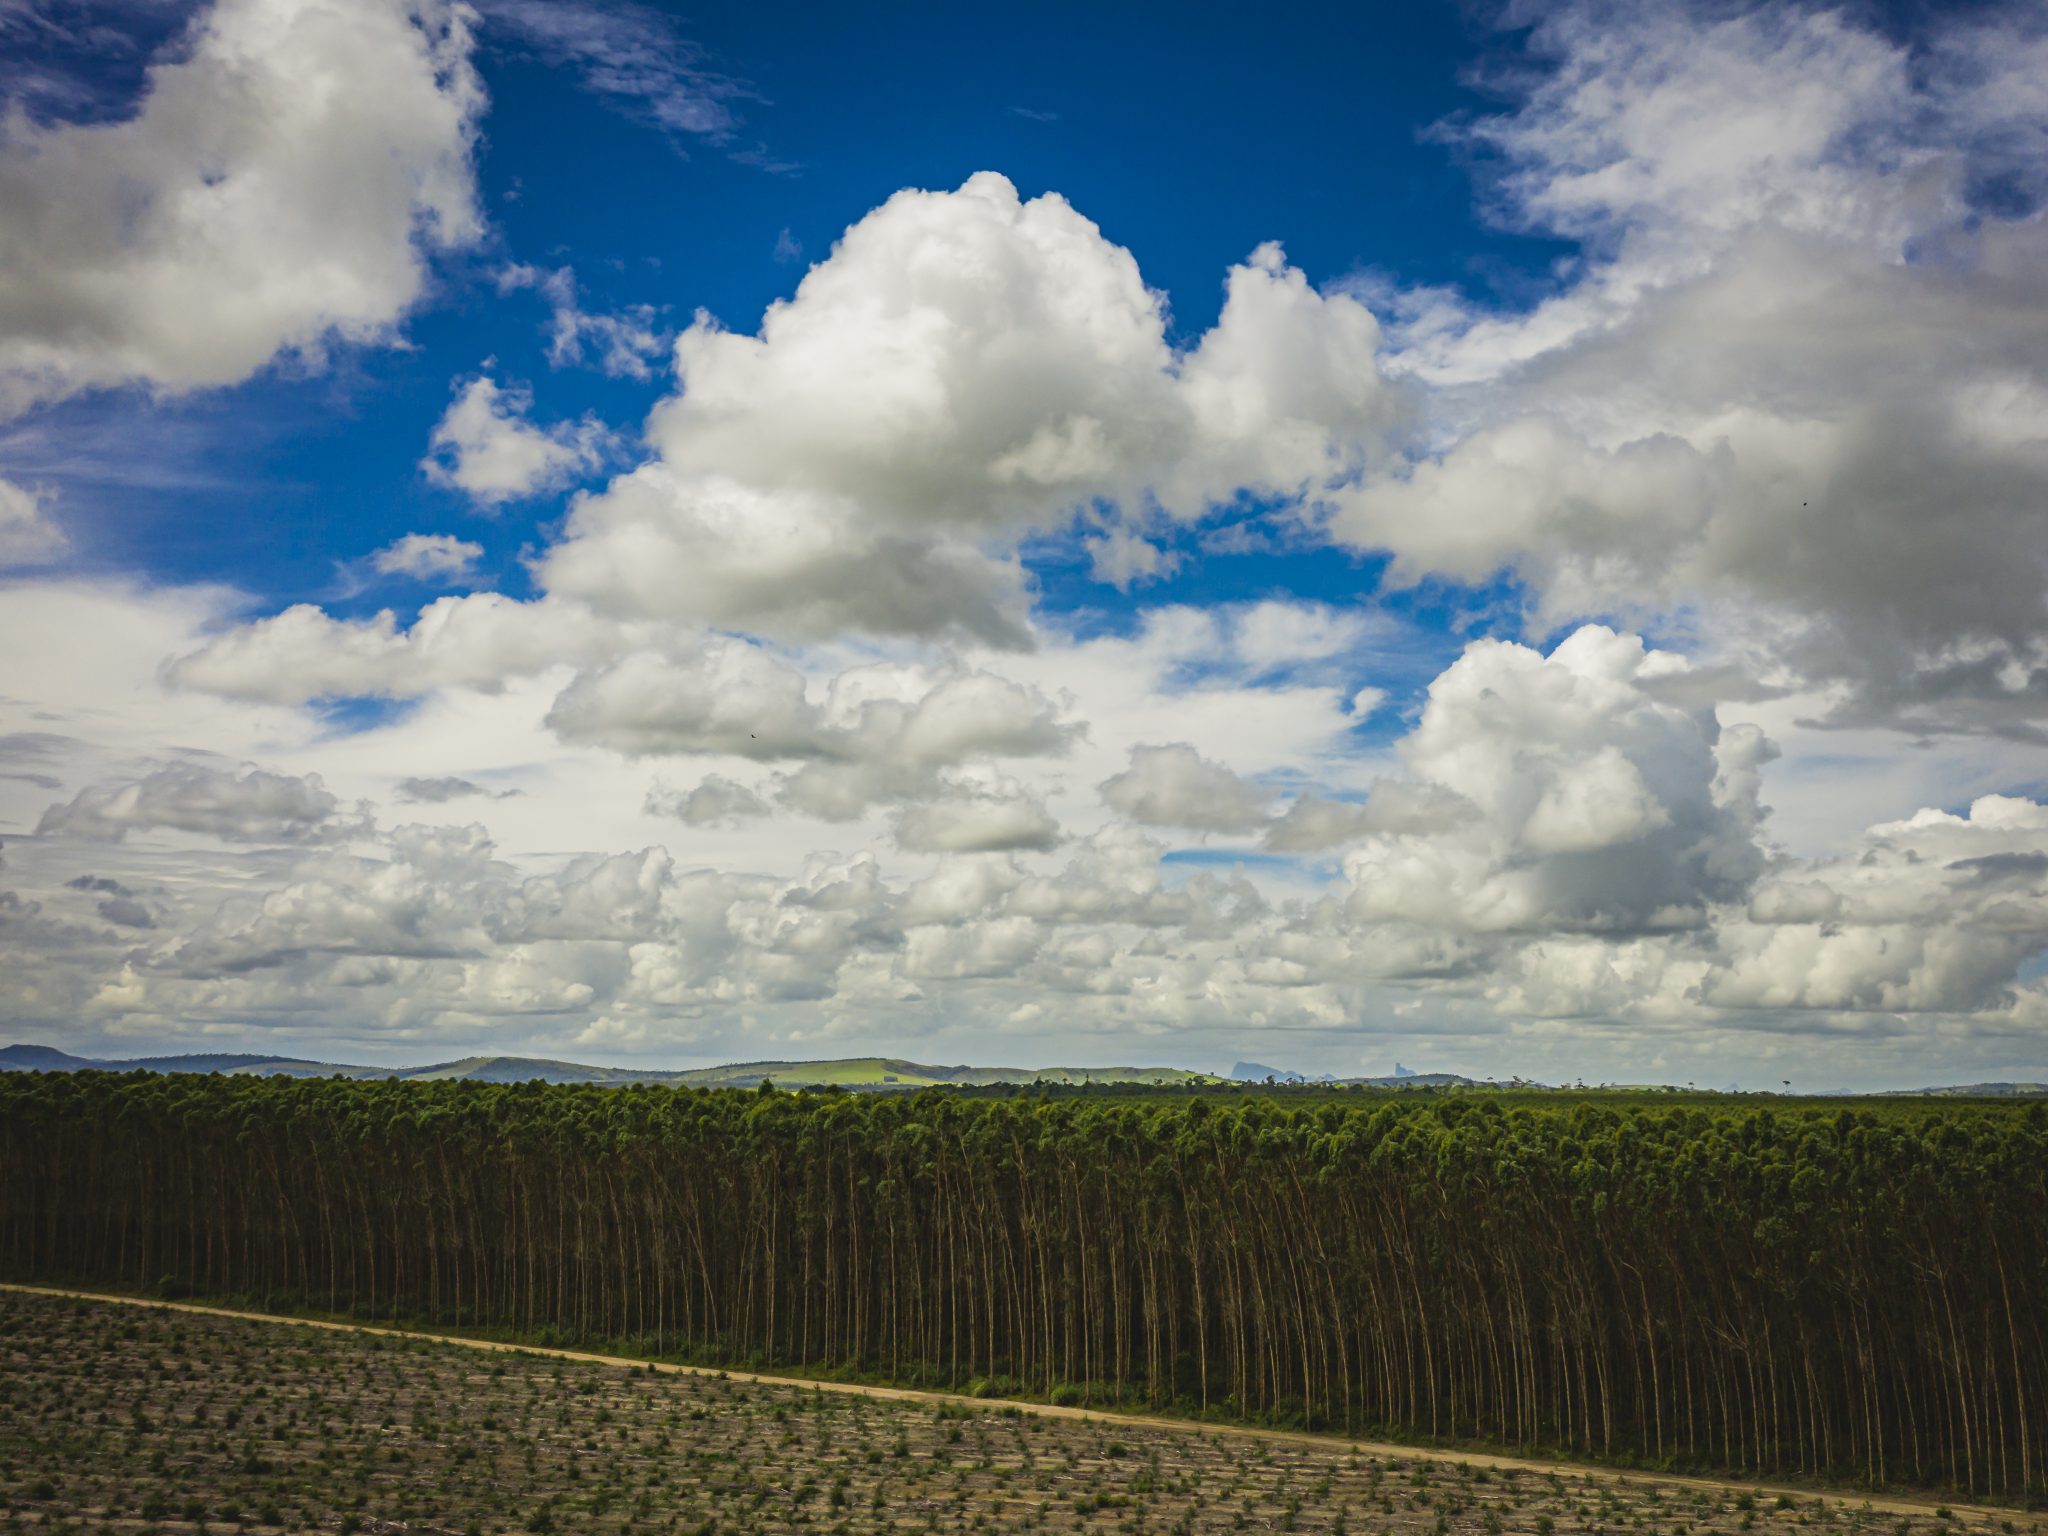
point(851, 1072)
point(43, 1058)
point(1978, 1091)
point(40, 1058)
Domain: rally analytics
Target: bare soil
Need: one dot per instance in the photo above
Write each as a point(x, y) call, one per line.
point(117, 1416)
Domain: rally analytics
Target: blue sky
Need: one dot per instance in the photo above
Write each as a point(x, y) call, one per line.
point(603, 529)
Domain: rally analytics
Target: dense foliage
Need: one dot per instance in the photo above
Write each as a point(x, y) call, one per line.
point(1848, 1293)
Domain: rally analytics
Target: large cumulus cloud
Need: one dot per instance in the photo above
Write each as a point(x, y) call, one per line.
point(1594, 803)
point(276, 187)
point(964, 368)
point(1795, 390)
point(974, 359)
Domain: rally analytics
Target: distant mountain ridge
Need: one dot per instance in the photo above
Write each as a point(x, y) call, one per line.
point(860, 1072)
point(1258, 1072)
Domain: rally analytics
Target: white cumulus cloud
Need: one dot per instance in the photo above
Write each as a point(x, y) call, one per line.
point(872, 734)
point(1570, 796)
point(1175, 786)
point(253, 806)
point(969, 821)
point(428, 557)
point(714, 801)
point(485, 446)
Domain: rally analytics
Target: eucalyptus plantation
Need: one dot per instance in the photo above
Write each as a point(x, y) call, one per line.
point(1854, 1293)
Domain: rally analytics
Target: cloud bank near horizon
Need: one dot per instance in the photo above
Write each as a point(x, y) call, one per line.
point(777, 745)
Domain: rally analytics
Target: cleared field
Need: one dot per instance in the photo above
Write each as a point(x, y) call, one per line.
point(131, 1418)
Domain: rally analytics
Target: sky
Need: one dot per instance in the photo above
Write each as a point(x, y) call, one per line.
point(1509, 539)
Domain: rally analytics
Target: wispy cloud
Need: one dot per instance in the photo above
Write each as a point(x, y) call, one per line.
point(632, 56)
point(81, 60)
point(619, 342)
